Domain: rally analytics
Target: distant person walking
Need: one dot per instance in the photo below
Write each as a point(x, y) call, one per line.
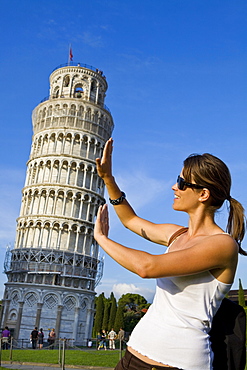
point(121, 334)
point(102, 340)
point(52, 338)
point(6, 337)
point(112, 335)
point(40, 338)
point(34, 337)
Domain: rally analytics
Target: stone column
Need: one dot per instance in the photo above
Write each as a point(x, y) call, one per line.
point(1, 311)
point(18, 322)
point(72, 206)
point(38, 314)
point(68, 173)
point(89, 88)
point(77, 310)
point(77, 239)
point(88, 327)
point(76, 175)
point(97, 94)
point(6, 312)
point(58, 321)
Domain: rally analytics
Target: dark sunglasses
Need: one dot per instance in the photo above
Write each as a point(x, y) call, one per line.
point(182, 184)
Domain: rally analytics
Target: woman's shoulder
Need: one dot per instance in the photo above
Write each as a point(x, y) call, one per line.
point(224, 240)
point(219, 247)
point(221, 235)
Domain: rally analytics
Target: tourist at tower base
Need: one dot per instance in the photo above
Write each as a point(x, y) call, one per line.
point(34, 337)
point(193, 275)
point(112, 335)
point(5, 338)
point(40, 338)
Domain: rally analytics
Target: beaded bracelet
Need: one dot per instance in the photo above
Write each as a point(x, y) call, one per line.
point(118, 201)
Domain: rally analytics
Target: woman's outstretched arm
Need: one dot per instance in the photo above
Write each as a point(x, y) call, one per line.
point(158, 233)
point(213, 252)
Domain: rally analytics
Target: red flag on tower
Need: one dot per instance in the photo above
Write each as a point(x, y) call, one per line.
point(70, 54)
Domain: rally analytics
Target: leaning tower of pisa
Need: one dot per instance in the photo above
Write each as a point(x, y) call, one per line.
point(54, 266)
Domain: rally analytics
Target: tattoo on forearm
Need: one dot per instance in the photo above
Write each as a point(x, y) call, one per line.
point(143, 232)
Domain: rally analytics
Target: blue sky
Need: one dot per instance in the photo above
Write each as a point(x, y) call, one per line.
point(177, 77)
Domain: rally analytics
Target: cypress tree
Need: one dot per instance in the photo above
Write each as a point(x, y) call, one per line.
point(113, 311)
point(106, 314)
point(241, 297)
point(119, 320)
point(98, 319)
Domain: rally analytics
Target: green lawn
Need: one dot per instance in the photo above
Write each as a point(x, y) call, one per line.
point(72, 357)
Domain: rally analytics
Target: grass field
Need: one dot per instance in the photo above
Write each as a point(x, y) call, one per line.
point(72, 357)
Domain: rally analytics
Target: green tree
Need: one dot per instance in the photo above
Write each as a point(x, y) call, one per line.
point(133, 302)
point(131, 319)
point(113, 311)
point(107, 307)
point(241, 297)
point(134, 308)
point(119, 320)
point(98, 319)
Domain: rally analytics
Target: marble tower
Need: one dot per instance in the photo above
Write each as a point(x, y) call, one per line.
point(54, 266)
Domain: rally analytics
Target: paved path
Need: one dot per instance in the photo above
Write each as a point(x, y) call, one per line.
point(35, 366)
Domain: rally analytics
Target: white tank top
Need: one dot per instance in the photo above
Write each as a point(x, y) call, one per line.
point(174, 331)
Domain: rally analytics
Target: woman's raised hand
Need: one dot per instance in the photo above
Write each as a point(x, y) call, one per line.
point(102, 223)
point(104, 164)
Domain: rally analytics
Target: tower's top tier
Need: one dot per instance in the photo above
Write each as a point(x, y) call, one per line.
point(81, 81)
point(76, 101)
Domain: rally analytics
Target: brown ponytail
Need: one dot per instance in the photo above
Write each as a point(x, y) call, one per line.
point(211, 172)
point(236, 223)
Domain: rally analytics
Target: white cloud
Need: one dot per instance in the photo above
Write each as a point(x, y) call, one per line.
point(123, 288)
point(145, 289)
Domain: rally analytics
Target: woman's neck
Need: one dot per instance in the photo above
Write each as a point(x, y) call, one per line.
point(202, 224)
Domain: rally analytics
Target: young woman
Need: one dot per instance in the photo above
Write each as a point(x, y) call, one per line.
point(40, 338)
point(194, 274)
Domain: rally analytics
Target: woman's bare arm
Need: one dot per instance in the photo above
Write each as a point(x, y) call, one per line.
point(212, 252)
